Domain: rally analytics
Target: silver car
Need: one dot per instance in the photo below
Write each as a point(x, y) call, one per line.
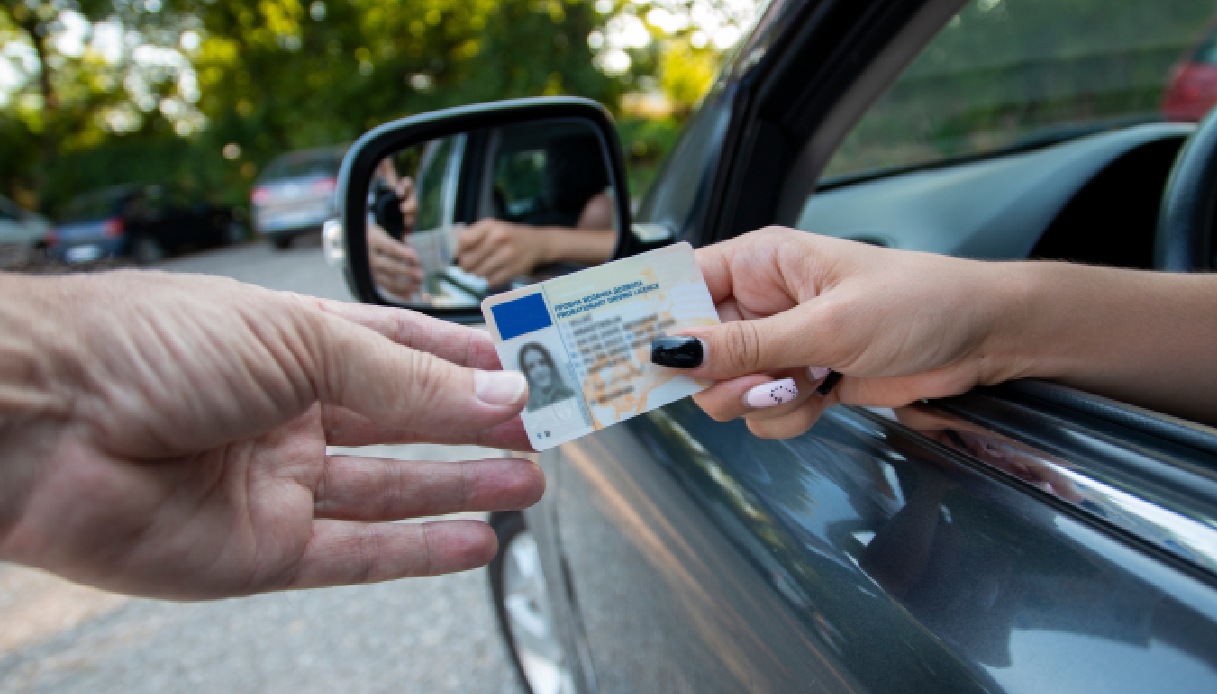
point(23, 235)
point(295, 194)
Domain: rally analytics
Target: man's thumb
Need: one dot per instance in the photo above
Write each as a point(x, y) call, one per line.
point(399, 386)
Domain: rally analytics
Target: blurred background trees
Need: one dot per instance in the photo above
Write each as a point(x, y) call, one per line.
point(204, 92)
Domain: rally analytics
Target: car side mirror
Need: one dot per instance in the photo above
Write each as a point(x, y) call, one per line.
point(439, 210)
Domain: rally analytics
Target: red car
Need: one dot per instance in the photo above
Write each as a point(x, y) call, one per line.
point(1192, 90)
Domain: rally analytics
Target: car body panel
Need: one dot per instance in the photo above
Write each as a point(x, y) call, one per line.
point(861, 556)
point(22, 233)
point(107, 223)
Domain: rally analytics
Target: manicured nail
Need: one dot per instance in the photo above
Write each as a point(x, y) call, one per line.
point(830, 382)
point(772, 393)
point(499, 387)
point(815, 373)
point(678, 352)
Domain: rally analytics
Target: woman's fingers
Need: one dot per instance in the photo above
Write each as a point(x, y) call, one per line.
point(798, 337)
point(348, 552)
point(496, 268)
point(774, 407)
point(793, 423)
point(472, 248)
point(379, 489)
point(400, 279)
point(760, 396)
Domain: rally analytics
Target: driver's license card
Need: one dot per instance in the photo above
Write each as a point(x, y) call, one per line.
point(583, 341)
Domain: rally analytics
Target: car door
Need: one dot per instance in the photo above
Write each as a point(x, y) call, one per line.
point(1023, 538)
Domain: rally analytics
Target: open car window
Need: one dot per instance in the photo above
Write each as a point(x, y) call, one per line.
point(1009, 75)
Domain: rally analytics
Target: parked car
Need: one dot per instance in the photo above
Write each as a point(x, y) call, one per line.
point(1192, 90)
point(294, 194)
point(23, 235)
point(1023, 538)
point(141, 222)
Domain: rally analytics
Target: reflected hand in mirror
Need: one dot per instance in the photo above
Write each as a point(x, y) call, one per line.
point(453, 220)
point(395, 266)
point(499, 250)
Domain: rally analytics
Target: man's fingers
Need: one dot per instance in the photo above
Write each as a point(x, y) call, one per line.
point(456, 343)
point(380, 489)
point(346, 428)
point(347, 553)
point(397, 386)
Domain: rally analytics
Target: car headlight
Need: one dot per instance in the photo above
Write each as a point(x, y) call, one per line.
point(331, 243)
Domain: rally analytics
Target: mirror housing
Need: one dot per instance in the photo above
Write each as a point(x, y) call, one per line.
point(361, 161)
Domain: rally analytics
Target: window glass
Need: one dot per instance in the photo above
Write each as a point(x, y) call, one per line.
point(94, 205)
point(313, 163)
point(1010, 73)
point(10, 211)
point(520, 178)
point(435, 180)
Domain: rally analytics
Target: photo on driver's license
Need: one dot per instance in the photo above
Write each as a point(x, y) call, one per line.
point(458, 218)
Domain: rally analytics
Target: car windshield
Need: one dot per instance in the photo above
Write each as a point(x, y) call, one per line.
point(304, 164)
point(1011, 74)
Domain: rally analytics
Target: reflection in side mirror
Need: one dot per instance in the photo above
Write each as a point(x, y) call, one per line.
point(454, 219)
point(455, 209)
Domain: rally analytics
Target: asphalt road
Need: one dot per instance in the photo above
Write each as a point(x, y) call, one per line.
point(420, 635)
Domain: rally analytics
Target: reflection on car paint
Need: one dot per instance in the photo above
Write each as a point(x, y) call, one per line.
point(1191, 538)
point(857, 554)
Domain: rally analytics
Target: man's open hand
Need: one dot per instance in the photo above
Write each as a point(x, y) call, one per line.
point(166, 436)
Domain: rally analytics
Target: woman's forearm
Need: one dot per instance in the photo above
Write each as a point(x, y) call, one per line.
point(578, 246)
point(1148, 338)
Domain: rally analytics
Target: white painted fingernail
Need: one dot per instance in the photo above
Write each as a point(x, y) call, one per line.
point(499, 387)
point(772, 393)
point(816, 373)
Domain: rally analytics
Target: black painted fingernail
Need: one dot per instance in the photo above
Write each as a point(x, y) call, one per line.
point(678, 352)
point(830, 382)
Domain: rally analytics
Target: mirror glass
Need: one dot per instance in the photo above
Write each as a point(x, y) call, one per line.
point(456, 219)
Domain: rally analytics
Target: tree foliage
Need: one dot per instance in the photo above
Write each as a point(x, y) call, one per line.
point(204, 92)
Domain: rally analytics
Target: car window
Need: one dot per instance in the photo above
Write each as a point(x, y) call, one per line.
point(1010, 73)
point(519, 177)
point(435, 183)
point(10, 211)
point(1206, 52)
point(673, 200)
point(93, 206)
point(303, 165)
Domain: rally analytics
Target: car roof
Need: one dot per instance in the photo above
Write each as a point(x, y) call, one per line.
point(288, 165)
